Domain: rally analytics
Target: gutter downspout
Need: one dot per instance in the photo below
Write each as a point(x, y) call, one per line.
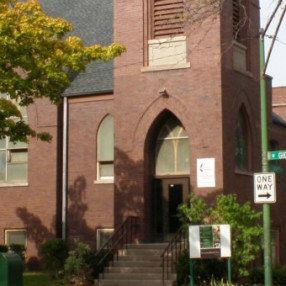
point(64, 174)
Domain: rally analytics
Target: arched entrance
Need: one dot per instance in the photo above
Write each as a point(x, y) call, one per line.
point(170, 175)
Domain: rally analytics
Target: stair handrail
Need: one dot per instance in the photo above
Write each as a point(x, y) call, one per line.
point(123, 235)
point(172, 251)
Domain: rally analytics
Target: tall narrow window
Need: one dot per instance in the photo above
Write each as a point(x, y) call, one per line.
point(105, 149)
point(172, 149)
point(240, 31)
point(14, 158)
point(168, 18)
point(236, 19)
point(167, 48)
point(239, 20)
point(242, 145)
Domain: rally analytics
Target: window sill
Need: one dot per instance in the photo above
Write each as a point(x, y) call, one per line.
point(165, 67)
point(2, 185)
point(244, 72)
point(103, 182)
point(242, 172)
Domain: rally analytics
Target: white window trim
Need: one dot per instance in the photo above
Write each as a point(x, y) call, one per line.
point(7, 230)
point(103, 179)
point(4, 185)
point(8, 150)
point(100, 179)
point(102, 230)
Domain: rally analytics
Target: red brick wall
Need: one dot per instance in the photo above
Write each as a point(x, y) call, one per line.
point(33, 207)
point(194, 97)
point(90, 204)
point(278, 101)
point(205, 97)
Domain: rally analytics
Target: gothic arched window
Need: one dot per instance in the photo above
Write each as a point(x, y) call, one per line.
point(105, 149)
point(172, 149)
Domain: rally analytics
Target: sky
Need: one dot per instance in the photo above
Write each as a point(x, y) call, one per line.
point(277, 62)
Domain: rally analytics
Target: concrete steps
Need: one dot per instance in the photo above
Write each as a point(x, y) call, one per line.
point(138, 265)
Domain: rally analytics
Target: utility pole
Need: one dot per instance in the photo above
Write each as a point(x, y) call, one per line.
point(264, 140)
point(264, 149)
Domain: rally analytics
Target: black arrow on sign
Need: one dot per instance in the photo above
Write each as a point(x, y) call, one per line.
point(265, 196)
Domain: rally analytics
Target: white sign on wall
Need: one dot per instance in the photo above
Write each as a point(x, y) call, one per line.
point(206, 172)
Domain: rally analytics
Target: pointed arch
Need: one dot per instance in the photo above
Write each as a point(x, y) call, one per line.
point(105, 149)
point(167, 146)
point(172, 149)
point(243, 142)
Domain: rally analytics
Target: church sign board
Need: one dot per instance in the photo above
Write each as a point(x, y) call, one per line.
point(209, 241)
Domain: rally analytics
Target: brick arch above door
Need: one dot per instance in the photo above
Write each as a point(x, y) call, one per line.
point(152, 112)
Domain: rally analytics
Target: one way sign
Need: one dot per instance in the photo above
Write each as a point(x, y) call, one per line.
point(264, 188)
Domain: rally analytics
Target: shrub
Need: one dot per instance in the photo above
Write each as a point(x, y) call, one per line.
point(278, 274)
point(54, 252)
point(205, 271)
point(243, 220)
point(20, 249)
point(3, 248)
point(77, 269)
point(94, 258)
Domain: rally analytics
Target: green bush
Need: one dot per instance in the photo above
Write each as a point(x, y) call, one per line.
point(77, 269)
point(93, 260)
point(205, 271)
point(243, 220)
point(20, 249)
point(83, 265)
point(278, 274)
point(3, 248)
point(54, 253)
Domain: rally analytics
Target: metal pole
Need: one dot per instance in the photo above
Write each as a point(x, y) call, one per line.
point(229, 270)
point(191, 273)
point(64, 174)
point(264, 149)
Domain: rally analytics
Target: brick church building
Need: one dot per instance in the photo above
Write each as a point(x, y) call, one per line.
point(179, 112)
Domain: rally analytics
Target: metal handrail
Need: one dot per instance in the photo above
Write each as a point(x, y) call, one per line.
point(123, 235)
point(172, 251)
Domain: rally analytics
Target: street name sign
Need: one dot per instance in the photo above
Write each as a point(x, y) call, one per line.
point(276, 169)
point(276, 155)
point(264, 188)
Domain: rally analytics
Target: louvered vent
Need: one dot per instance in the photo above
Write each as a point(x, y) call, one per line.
point(168, 18)
point(236, 19)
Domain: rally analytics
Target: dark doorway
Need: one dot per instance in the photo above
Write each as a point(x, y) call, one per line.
point(168, 194)
point(168, 160)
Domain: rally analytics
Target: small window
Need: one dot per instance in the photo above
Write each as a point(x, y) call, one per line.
point(16, 236)
point(102, 236)
point(105, 149)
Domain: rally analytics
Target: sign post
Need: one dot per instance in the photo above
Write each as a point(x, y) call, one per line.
point(209, 241)
point(264, 149)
